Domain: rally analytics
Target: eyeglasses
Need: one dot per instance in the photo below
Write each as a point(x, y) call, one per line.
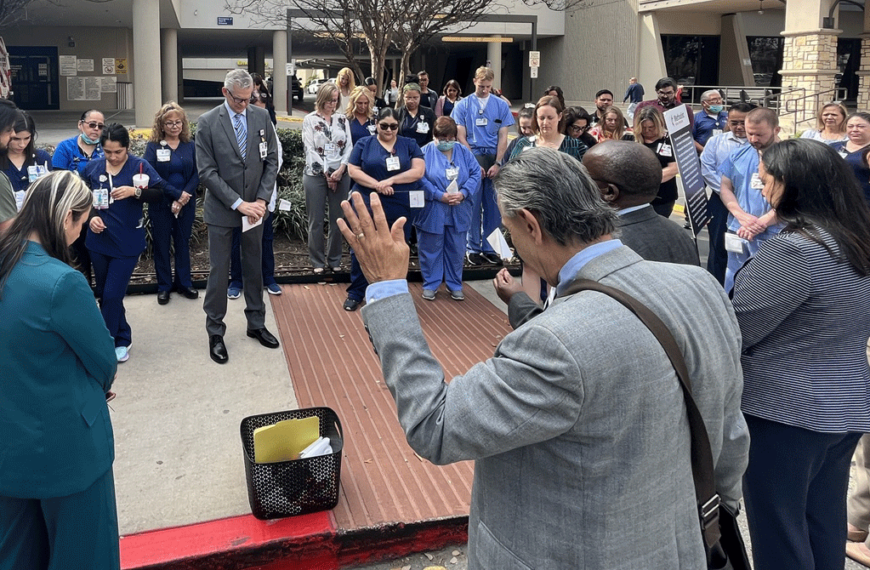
point(93, 125)
point(576, 129)
point(238, 100)
point(173, 123)
point(389, 126)
point(332, 100)
point(666, 93)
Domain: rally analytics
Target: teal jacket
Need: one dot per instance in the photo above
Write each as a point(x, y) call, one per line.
point(58, 362)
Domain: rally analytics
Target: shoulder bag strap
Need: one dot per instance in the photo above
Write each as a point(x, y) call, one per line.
point(702, 457)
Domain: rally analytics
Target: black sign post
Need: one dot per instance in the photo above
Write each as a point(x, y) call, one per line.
point(680, 130)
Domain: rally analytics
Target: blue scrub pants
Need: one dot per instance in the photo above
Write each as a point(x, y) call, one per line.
point(77, 531)
point(717, 259)
point(112, 275)
point(441, 258)
point(484, 211)
point(795, 492)
point(268, 256)
point(164, 225)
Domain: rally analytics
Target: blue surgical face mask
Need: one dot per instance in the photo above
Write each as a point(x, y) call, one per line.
point(716, 108)
point(86, 140)
point(445, 146)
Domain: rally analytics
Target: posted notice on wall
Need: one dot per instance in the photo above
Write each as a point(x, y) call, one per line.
point(689, 166)
point(67, 64)
point(84, 65)
point(108, 66)
point(109, 85)
point(83, 88)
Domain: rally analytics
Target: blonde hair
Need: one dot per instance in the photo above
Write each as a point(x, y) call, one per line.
point(324, 94)
point(158, 132)
point(648, 114)
point(620, 122)
point(354, 97)
point(484, 73)
point(351, 83)
point(820, 124)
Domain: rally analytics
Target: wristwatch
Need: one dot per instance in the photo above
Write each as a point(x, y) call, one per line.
point(137, 192)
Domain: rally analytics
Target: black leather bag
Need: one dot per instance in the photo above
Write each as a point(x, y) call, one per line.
point(722, 539)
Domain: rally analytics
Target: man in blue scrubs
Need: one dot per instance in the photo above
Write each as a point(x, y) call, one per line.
point(483, 122)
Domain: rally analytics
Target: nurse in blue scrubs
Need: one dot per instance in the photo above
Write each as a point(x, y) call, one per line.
point(360, 114)
point(116, 233)
point(393, 167)
point(23, 163)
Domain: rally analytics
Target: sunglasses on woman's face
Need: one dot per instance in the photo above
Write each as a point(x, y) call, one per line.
point(389, 126)
point(94, 125)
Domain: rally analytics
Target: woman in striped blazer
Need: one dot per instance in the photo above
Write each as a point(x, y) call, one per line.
point(803, 304)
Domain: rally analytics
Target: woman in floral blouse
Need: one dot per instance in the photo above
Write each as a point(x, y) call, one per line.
point(326, 136)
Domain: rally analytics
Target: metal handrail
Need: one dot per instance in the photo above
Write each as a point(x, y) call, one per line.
point(819, 98)
point(731, 93)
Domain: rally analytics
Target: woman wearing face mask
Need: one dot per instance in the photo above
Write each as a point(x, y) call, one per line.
point(453, 175)
point(75, 154)
point(116, 232)
point(392, 166)
point(23, 163)
point(415, 122)
point(451, 95)
point(547, 126)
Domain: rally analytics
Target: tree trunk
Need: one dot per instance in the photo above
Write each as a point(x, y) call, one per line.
point(406, 70)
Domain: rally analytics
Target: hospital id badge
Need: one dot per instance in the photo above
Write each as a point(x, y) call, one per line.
point(665, 150)
point(423, 127)
point(843, 152)
point(734, 243)
point(452, 173)
point(35, 172)
point(372, 129)
point(163, 154)
point(481, 122)
point(101, 198)
point(755, 182)
point(393, 163)
point(716, 132)
point(19, 199)
point(264, 150)
point(416, 198)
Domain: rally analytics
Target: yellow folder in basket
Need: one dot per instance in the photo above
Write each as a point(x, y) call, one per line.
point(283, 441)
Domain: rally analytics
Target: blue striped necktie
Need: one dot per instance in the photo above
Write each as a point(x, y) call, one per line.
point(241, 134)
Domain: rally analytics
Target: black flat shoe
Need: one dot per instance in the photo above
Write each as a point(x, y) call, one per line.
point(217, 349)
point(188, 292)
point(265, 337)
point(351, 304)
point(162, 297)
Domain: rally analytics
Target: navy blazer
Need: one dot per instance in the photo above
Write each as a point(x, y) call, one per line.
point(58, 363)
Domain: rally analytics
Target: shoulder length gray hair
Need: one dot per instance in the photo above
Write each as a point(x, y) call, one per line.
point(558, 190)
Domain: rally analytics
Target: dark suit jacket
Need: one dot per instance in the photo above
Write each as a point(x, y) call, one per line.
point(655, 238)
point(221, 169)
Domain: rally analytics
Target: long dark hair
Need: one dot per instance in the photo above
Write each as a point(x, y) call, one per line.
point(821, 192)
point(48, 201)
point(23, 122)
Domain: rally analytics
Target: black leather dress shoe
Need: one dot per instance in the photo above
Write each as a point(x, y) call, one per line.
point(162, 297)
point(188, 292)
point(217, 349)
point(265, 337)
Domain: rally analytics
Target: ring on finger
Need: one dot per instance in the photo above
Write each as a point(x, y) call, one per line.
point(360, 235)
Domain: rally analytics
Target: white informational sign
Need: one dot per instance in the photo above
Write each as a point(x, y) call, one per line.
point(534, 72)
point(109, 85)
point(680, 133)
point(84, 64)
point(534, 59)
point(83, 88)
point(290, 69)
point(67, 64)
point(108, 66)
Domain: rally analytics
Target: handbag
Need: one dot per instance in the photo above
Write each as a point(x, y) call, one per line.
point(723, 542)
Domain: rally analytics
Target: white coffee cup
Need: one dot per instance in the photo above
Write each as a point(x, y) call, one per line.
point(140, 181)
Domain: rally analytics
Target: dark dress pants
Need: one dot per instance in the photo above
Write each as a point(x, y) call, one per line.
point(268, 255)
point(717, 259)
point(220, 243)
point(164, 225)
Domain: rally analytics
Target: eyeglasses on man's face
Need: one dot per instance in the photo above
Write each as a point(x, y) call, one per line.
point(238, 100)
point(94, 125)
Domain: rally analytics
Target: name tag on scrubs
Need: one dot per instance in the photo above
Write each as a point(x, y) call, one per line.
point(481, 122)
point(264, 150)
point(371, 129)
point(665, 150)
point(19, 199)
point(393, 163)
point(35, 172)
point(452, 173)
point(734, 243)
point(416, 198)
point(716, 132)
point(755, 182)
point(423, 127)
point(101, 198)
point(163, 154)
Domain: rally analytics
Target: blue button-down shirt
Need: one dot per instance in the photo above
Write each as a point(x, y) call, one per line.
point(718, 149)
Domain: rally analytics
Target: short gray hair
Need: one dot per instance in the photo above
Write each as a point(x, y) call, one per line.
point(238, 78)
point(558, 190)
point(709, 93)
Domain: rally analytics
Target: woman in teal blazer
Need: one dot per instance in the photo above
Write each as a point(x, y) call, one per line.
point(57, 495)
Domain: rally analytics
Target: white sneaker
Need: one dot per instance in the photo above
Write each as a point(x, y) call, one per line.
point(122, 353)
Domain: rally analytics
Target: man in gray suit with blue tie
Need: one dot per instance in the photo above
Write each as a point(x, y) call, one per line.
point(577, 425)
point(237, 159)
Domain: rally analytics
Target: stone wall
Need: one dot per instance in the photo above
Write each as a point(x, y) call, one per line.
point(809, 66)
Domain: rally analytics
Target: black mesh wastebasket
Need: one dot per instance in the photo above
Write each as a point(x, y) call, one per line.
point(296, 487)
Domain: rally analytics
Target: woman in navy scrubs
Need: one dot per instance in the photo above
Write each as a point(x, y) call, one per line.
point(415, 122)
point(360, 114)
point(173, 155)
point(21, 156)
point(392, 166)
point(116, 234)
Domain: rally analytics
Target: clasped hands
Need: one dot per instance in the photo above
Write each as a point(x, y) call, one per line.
point(385, 187)
point(750, 226)
point(253, 210)
point(452, 198)
point(177, 205)
point(380, 249)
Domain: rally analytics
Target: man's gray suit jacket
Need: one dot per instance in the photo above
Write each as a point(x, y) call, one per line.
point(222, 171)
point(577, 425)
point(656, 238)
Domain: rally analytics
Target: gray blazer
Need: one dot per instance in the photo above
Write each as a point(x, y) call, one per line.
point(221, 169)
point(656, 238)
point(577, 424)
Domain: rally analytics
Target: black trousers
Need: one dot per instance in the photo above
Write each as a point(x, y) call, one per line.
point(717, 259)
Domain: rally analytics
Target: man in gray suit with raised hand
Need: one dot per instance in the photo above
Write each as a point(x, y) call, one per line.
point(577, 425)
point(237, 159)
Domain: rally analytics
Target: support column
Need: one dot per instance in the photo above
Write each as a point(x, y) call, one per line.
point(280, 95)
point(863, 72)
point(257, 60)
point(169, 58)
point(650, 54)
point(493, 54)
point(146, 61)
